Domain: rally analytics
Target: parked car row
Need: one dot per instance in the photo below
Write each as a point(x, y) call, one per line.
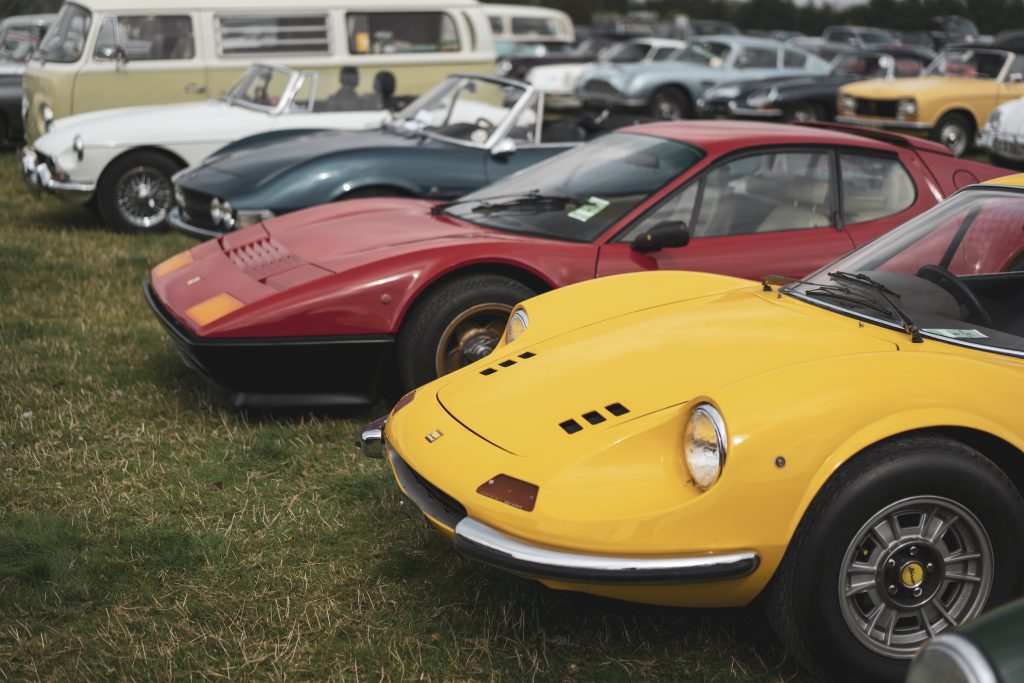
point(693, 363)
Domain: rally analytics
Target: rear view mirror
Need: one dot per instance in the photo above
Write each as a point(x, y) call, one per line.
point(661, 236)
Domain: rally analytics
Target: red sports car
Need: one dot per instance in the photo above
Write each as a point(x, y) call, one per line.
point(337, 304)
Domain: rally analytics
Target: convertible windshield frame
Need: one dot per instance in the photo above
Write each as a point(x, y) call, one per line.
point(296, 79)
point(791, 290)
point(1008, 57)
point(526, 99)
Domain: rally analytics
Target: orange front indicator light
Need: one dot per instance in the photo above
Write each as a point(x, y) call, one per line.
point(176, 262)
point(213, 308)
point(510, 491)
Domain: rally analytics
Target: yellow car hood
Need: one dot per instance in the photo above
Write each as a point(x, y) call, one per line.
point(897, 88)
point(645, 360)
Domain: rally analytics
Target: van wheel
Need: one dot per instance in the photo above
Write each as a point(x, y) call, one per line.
point(908, 540)
point(457, 324)
point(135, 194)
point(954, 131)
point(670, 103)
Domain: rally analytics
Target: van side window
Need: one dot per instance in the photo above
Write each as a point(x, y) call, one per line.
point(146, 38)
point(254, 34)
point(398, 32)
point(533, 26)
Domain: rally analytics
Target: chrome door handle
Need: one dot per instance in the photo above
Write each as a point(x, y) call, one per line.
point(193, 89)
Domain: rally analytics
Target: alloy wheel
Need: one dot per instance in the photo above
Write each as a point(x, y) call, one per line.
point(143, 196)
point(472, 335)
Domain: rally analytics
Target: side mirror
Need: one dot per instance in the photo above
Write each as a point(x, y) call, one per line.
point(112, 52)
point(661, 236)
point(504, 148)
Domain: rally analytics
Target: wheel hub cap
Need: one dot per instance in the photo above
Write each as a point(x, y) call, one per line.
point(912, 575)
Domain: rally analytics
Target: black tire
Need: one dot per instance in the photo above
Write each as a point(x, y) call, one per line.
point(145, 209)
point(671, 102)
point(429, 325)
point(955, 131)
point(804, 602)
point(806, 111)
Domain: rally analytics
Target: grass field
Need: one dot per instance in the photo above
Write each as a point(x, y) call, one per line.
point(146, 532)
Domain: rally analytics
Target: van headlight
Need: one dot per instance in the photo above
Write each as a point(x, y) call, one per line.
point(47, 114)
point(517, 324)
point(704, 445)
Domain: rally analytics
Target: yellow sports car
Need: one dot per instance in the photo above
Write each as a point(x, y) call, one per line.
point(850, 444)
point(949, 103)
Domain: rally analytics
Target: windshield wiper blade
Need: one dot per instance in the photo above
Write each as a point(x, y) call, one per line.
point(526, 202)
point(884, 292)
point(502, 201)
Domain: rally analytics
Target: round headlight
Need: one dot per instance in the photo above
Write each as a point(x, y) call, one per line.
point(906, 107)
point(517, 324)
point(504, 67)
point(704, 445)
point(47, 116)
point(216, 211)
point(993, 119)
point(227, 214)
point(762, 98)
point(847, 103)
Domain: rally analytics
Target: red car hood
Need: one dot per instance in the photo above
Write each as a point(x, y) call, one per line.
point(339, 235)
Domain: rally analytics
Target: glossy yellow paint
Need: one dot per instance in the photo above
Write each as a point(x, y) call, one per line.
point(935, 97)
point(790, 379)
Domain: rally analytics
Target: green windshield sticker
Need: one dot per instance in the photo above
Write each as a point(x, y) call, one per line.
point(594, 206)
point(957, 334)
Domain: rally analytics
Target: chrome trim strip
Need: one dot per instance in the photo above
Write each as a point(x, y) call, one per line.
point(484, 543)
point(884, 123)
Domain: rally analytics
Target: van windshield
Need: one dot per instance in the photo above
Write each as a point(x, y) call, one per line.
point(65, 40)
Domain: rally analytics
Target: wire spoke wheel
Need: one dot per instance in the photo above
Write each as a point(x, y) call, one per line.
point(143, 196)
point(918, 567)
point(470, 336)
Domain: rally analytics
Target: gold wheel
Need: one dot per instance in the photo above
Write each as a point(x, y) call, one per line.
point(470, 336)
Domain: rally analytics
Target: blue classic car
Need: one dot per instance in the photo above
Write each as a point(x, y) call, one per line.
point(670, 89)
point(467, 132)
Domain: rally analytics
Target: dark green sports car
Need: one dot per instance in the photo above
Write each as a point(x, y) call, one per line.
point(467, 132)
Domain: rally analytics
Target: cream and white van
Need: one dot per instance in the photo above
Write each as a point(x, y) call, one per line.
point(101, 54)
point(516, 24)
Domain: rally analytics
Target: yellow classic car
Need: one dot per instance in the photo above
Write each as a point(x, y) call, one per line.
point(850, 445)
point(949, 103)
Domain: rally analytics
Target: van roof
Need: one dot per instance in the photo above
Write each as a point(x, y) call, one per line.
point(266, 5)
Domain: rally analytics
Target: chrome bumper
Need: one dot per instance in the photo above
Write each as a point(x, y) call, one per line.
point(486, 544)
point(884, 123)
point(371, 441)
point(1007, 146)
point(39, 177)
point(178, 223)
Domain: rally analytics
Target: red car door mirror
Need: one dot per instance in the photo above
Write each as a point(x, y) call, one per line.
point(661, 236)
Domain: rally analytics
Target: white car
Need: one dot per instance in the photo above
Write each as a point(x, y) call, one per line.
point(558, 82)
point(1003, 133)
point(121, 160)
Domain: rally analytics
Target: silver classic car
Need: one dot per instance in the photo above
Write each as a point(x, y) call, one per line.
point(670, 89)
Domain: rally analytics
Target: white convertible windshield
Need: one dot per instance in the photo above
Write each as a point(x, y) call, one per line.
point(463, 108)
point(956, 272)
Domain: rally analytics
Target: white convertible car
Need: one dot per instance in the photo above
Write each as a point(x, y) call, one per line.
point(121, 160)
point(1003, 133)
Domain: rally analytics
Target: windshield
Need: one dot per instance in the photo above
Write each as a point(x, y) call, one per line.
point(968, 63)
point(626, 53)
point(580, 194)
point(262, 87)
point(957, 271)
point(861, 65)
point(539, 49)
point(18, 40)
point(705, 53)
point(65, 40)
point(462, 108)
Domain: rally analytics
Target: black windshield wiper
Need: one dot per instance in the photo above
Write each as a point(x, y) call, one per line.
point(504, 201)
point(884, 292)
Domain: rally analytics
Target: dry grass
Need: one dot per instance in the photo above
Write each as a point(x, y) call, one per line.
point(148, 533)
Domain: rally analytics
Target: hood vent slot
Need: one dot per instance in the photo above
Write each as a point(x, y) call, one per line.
point(262, 259)
point(593, 417)
point(509, 362)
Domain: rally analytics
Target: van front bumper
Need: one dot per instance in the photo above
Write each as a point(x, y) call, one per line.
point(39, 176)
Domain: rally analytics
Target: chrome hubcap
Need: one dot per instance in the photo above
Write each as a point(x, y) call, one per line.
point(916, 568)
point(472, 335)
point(143, 197)
point(667, 109)
point(955, 138)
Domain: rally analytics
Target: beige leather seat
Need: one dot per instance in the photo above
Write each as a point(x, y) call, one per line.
point(805, 205)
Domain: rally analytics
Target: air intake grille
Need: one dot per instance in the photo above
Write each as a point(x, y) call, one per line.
point(262, 259)
point(507, 363)
point(593, 417)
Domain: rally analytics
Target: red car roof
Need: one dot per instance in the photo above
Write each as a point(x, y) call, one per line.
point(719, 136)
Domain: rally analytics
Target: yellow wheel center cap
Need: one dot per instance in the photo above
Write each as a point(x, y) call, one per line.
point(912, 574)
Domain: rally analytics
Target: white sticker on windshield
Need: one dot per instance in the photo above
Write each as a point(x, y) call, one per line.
point(594, 206)
point(957, 334)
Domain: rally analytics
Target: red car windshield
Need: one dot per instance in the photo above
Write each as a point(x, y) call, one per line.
point(579, 194)
point(956, 271)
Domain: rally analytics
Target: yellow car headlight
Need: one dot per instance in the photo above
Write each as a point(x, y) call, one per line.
point(704, 445)
point(517, 324)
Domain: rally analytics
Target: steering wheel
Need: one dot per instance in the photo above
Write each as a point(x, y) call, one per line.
point(484, 123)
point(961, 292)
